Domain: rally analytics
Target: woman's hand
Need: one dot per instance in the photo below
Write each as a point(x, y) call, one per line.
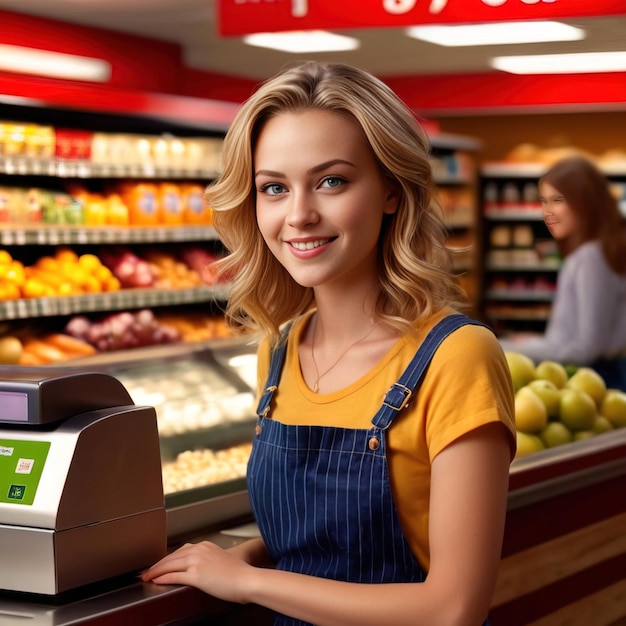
point(205, 566)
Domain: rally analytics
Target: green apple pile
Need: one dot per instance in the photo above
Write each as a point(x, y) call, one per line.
point(556, 405)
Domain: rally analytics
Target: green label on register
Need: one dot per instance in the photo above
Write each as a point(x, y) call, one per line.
point(21, 466)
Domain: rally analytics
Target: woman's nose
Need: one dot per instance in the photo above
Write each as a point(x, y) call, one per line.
point(302, 210)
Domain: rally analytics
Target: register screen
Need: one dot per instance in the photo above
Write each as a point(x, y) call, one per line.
point(21, 466)
point(13, 406)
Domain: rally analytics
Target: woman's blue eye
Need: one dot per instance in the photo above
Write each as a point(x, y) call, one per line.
point(272, 189)
point(333, 181)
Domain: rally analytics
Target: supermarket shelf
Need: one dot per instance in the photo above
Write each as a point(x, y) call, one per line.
point(114, 300)
point(67, 168)
point(535, 170)
point(519, 295)
point(64, 234)
point(518, 314)
point(453, 179)
point(543, 266)
point(513, 170)
point(447, 141)
point(514, 214)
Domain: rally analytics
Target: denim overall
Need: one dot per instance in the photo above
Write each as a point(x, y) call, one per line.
point(322, 496)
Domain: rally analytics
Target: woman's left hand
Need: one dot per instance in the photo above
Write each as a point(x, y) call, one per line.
point(205, 566)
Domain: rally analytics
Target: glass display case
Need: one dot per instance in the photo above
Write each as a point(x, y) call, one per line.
point(204, 397)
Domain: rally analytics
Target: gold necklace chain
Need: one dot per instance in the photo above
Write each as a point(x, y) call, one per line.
point(316, 384)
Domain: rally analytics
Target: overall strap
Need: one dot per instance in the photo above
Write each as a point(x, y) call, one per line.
point(276, 366)
point(401, 391)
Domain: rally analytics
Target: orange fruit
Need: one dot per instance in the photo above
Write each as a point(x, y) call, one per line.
point(89, 262)
point(103, 273)
point(48, 264)
point(33, 288)
point(9, 291)
point(111, 284)
point(91, 284)
point(66, 254)
point(16, 273)
point(65, 289)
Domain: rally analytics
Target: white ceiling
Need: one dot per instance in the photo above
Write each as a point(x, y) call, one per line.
point(385, 52)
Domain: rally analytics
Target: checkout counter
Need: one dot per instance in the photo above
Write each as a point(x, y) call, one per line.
point(160, 434)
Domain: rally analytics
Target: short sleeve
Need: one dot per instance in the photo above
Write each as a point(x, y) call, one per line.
point(468, 385)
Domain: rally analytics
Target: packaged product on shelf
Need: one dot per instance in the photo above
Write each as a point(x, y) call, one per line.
point(12, 139)
point(530, 196)
point(6, 209)
point(177, 150)
point(31, 208)
point(100, 149)
point(116, 211)
point(60, 208)
point(204, 153)
point(39, 141)
point(72, 144)
point(510, 196)
point(195, 208)
point(491, 197)
point(171, 204)
point(142, 200)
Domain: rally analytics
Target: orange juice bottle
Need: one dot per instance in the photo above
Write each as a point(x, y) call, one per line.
point(171, 204)
point(142, 200)
point(195, 208)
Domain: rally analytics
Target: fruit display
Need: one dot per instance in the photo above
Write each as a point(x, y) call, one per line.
point(31, 349)
point(83, 337)
point(171, 272)
point(53, 348)
point(196, 326)
point(64, 273)
point(67, 273)
point(557, 405)
point(128, 268)
point(11, 349)
point(122, 331)
point(126, 330)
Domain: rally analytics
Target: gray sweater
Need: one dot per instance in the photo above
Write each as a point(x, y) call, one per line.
point(588, 316)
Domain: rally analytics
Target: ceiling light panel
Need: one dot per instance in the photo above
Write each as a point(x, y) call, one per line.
point(575, 63)
point(496, 33)
point(53, 64)
point(299, 42)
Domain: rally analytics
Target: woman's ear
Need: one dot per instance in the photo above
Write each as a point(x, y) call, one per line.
point(392, 199)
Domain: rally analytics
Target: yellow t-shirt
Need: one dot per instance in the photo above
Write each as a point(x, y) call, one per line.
point(466, 386)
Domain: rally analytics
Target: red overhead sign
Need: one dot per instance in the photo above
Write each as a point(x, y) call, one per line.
point(239, 17)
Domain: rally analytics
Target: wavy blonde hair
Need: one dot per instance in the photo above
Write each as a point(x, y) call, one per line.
point(414, 265)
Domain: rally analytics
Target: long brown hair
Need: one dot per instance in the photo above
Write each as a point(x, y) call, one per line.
point(588, 194)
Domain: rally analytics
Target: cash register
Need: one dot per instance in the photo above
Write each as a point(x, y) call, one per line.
point(81, 494)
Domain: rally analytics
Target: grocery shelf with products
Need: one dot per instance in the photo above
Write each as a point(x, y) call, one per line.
point(103, 216)
point(520, 261)
point(455, 173)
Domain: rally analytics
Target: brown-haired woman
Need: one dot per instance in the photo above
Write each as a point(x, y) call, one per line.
point(587, 324)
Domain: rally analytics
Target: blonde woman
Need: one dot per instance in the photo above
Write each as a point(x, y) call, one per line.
point(379, 470)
